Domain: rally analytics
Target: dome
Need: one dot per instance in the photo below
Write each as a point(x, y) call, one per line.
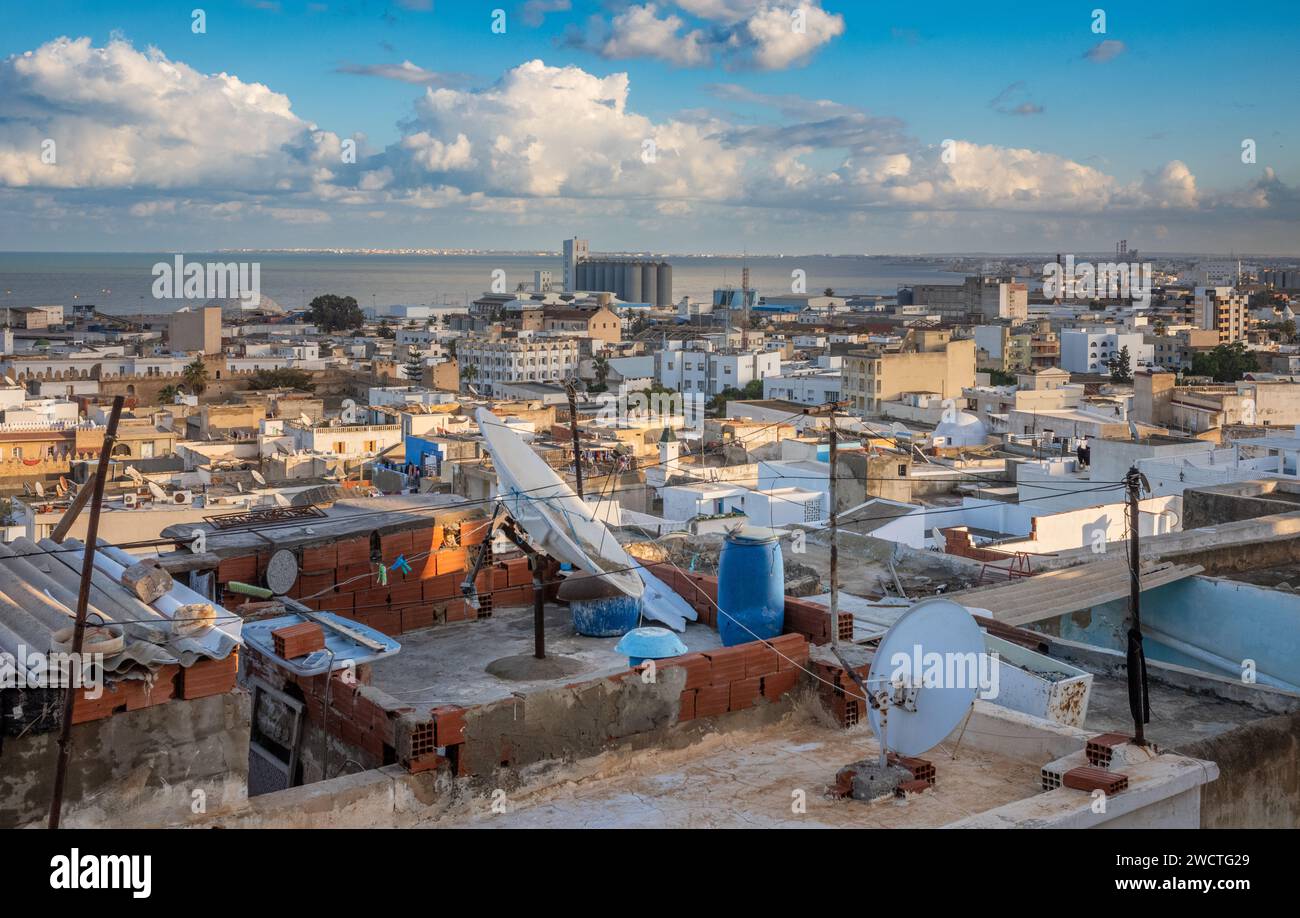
point(963, 430)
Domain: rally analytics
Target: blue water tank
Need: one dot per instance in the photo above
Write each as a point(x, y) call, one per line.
point(609, 616)
point(751, 586)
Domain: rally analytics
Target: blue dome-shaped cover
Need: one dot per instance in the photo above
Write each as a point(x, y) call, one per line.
point(651, 643)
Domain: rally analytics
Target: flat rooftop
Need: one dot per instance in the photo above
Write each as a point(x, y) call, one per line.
point(746, 779)
point(448, 664)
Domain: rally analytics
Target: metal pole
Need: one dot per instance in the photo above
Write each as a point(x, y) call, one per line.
point(835, 546)
point(539, 610)
point(1138, 701)
point(83, 599)
point(573, 425)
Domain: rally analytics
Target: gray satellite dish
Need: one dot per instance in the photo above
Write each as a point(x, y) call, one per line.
point(917, 716)
point(281, 572)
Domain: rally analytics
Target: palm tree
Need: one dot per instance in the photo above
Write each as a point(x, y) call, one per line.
point(196, 375)
point(600, 367)
point(469, 373)
point(167, 395)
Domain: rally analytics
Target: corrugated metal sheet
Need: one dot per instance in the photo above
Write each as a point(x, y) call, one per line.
point(39, 583)
point(1073, 589)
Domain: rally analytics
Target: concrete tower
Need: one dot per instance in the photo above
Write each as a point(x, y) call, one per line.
point(575, 250)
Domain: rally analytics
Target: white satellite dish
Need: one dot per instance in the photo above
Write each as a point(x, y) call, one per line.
point(40, 488)
point(917, 717)
point(547, 508)
point(157, 492)
point(257, 476)
point(134, 474)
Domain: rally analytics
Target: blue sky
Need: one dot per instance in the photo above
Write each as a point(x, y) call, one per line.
point(765, 137)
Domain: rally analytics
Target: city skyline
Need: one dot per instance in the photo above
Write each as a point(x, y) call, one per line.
point(713, 126)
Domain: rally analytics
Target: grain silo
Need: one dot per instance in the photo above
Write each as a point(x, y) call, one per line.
point(664, 284)
point(632, 282)
point(649, 283)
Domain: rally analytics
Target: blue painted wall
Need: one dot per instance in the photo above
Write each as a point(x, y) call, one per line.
point(1237, 621)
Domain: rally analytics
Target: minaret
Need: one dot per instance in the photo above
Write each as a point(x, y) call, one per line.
point(669, 450)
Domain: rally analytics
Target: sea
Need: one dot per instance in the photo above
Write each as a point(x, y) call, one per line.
point(122, 283)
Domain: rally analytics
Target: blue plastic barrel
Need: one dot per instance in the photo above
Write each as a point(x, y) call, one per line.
point(609, 616)
point(600, 609)
point(751, 587)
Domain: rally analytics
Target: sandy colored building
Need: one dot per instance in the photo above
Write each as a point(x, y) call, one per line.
point(930, 361)
point(195, 330)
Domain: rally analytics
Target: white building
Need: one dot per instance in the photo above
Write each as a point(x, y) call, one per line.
point(808, 387)
point(1089, 350)
point(348, 441)
point(709, 372)
point(513, 360)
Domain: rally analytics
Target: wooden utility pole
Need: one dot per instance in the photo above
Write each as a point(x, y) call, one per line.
point(1139, 701)
point(830, 408)
point(835, 527)
point(573, 426)
point(83, 600)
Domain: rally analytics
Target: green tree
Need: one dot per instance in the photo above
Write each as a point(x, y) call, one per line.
point(753, 389)
point(167, 395)
point(1121, 366)
point(469, 373)
point(1226, 363)
point(331, 312)
point(1002, 378)
point(282, 378)
point(195, 375)
point(600, 367)
point(719, 401)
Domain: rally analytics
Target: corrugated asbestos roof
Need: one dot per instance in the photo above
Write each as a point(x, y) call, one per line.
point(39, 583)
point(1072, 589)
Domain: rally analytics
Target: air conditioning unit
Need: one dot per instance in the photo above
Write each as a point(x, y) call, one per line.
point(130, 500)
point(183, 497)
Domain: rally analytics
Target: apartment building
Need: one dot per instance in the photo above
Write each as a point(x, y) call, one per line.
point(987, 297)
point(517, 360)
point(1223, 310)
point(1090, 350)
point(931, 360)
point(1174, 350)
point(601, 324)
point(710, 372)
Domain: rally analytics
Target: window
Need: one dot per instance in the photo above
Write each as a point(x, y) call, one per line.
point(17, 452)
point(902, 470)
